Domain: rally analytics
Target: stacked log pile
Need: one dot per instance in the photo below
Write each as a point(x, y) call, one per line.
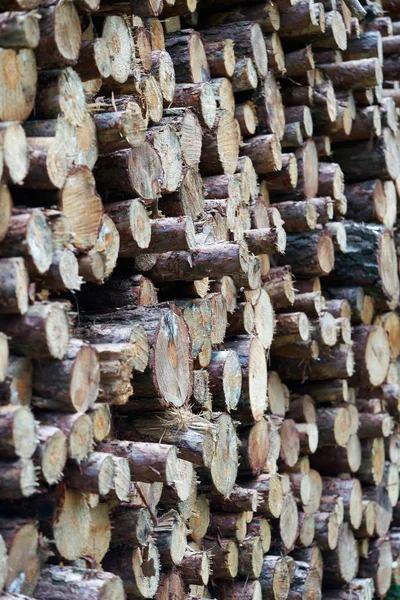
point(199, 290)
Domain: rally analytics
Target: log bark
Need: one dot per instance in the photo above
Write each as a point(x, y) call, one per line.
point(132, 527)
point(200, 98)
point(253, 399)
point(187, 125)
point(369, 200)
point(228, 525)
point(274, 578)
point(78, 430)
point(195, 568)
point(148, 462)
point(215, 260)
point(240, 499)
point(338, 364)
point(139, 569)
point(341, 564)
point(291, 327)
point(51, 453)
point(56, 88)
point(137, 171)
point(221, 57)
point(188, 55)
point(270, 489)
point(270, 110)
point(16, 388)
point(14, 281)
point(195, 443)
point(225, 379)
point(245, 76)
point(20, 538)
point(42, 332)
point(310, 254)
point(29, 236)
point(381, 156)
point(265, 152)
point(254, 447)
point(378, 565)
point(226, 558)
point(266, 241)
point(60, 36)
point(220, 150)
point(188, 199)
point(121, 129)
point(118, 292)
point(248, 41)
point(298, 215)
point(18, 479)
point(309, 303)
point(94, 61)
point(284, 180)
point(18, 432)
point(70, 385)
point(379, 240)
point(71, 581)
point(95, 475)
point(19, 80)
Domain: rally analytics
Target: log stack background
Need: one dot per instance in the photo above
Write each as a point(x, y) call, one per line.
point(199, 336)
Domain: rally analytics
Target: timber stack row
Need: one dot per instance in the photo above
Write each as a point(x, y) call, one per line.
point(199, 380)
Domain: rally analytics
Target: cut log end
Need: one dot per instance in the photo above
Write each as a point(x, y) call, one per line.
point(53, 453)
point(326, 254)
point(377, 356)
point(85, 217)
point(4, 357)
point(21, 428)
point(21, 540)
point(172, 359)
point(388, 269)
point(224, 465)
